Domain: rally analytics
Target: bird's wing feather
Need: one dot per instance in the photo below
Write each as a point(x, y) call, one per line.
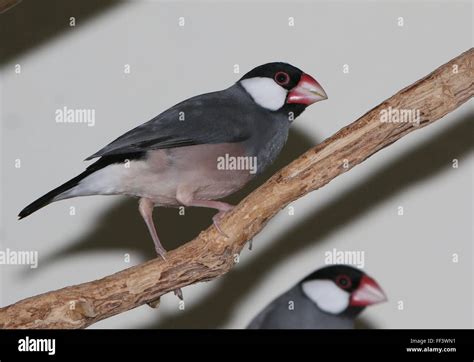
point(208, 118)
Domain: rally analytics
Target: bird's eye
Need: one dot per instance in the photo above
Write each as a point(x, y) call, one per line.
point(343, 281)
point(282, 78)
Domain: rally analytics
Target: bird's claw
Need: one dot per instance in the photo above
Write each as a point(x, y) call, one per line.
point(179, 293)
point(250, 244)
point(161, 252)
point(154, 303)
point(216, 220)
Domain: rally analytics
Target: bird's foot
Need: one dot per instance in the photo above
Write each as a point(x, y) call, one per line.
point(178, 293)
point(217, 217)
point(155, 303)
point(250, 244)
point(162, 253)
point(145, 206)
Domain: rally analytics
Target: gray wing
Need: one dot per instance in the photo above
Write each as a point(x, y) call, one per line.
point(209, 118)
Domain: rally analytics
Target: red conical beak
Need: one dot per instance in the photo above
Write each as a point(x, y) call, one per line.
point(307, 91)
point(368, 293)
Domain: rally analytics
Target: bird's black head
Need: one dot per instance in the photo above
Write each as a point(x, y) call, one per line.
point(342, 290)
point(281, 87)
point(283, 74)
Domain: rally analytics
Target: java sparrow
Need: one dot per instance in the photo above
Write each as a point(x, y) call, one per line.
point(330, 298)
point(172, 160)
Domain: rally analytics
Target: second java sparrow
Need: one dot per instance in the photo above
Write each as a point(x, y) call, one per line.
point(330, 298)
point(172, 160)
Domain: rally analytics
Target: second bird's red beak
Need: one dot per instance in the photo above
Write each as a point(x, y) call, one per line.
point(368, 292)
point(307, 91)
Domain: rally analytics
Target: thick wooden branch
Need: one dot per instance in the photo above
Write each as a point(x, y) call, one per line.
point(210, 254)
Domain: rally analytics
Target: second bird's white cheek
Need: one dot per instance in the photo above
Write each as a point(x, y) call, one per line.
point(326, 295)
point(265, 92)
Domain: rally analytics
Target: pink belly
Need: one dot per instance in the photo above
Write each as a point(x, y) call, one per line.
point(205, 170)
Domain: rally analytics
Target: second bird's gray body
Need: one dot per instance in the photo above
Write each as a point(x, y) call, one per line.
point(181, 155)
point(304, 315)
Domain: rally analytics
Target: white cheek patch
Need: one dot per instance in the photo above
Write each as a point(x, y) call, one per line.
point(265, 92)
point(326, 295)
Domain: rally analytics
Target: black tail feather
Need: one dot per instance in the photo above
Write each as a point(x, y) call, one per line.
point(100, 163)
point(49, 197)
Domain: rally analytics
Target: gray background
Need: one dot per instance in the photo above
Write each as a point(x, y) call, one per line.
point(82, 67)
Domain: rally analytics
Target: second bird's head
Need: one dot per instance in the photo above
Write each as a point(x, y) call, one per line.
point(342, 290)
point(281, 87)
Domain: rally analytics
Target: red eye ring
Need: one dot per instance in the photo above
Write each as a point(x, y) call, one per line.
point(282, 78)
point(343, 281)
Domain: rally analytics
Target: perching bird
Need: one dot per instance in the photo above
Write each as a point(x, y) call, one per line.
point(176, 159)
point(329, 298)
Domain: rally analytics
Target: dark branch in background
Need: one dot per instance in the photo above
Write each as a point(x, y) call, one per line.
point(210, 254)
point(6, 5)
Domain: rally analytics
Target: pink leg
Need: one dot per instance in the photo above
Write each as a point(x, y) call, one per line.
point(145, 206)
point(223, 207)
